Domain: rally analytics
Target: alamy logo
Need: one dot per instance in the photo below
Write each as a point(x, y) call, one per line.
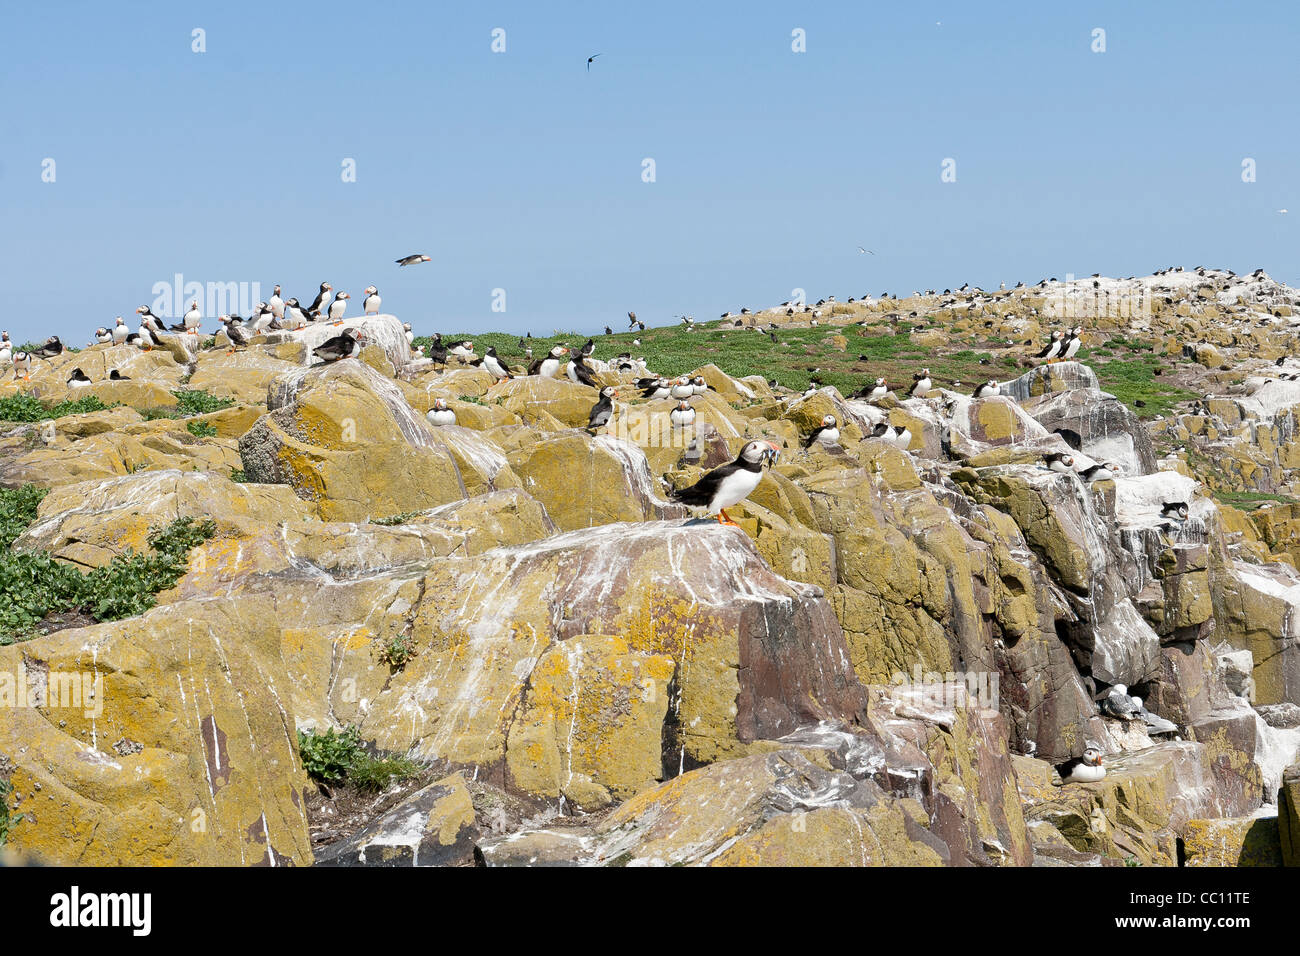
point(172, 299)
point(74, 909)
point(53, 690)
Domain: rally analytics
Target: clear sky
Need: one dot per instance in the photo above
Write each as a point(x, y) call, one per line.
point(522, 171)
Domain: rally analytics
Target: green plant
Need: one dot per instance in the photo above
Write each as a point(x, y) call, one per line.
point(28, 408)
point(18, 510)
point(193, 401)
point(7, 823)
point(398, 650)
point(376, 773)
point(237, 475)
point(329, 756)
point(201, 429)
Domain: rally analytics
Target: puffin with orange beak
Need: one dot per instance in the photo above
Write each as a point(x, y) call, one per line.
point(603, 410)
point(1085, 769)
point(730, 484)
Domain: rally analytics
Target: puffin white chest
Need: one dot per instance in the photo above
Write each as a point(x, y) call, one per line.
point(549, 367)
point(735, 488)
point(1086, 773)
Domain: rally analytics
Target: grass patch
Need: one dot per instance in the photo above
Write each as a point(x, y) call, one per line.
point(338, 757)
point(1134, 381)
point(28, 408)
point(18, 510)
point(6, 821)
point(34, 586)
point(237, 475)
point(201, 429)
point(1251, 500)
point(194, 401)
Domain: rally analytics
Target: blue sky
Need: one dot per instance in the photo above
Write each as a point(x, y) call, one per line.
point(522, 171)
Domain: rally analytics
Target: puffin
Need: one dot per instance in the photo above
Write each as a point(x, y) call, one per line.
point(276, 304)
point(371, 303)
point(120, 331)
point(698, 385)
point(603, 410)
point(1085, 769)
point(6, 348)
point(341, 346)
point(116, 376)
point(579, 372)
point(440, 414)
point(1103, 472)
point(828, 432)
point(920, 383)
point(409, 332)
point(988, 390)
point(78, 378)
point(22, 364)
point(237, 334)
point(1059, 462)
point(495, 365)
point(681, 388)
point(338, 307)
point(683, 416)
point(549, 366)
point(730, 484)
point(874, 392)
point(295, 316)
point(899, 437)
point(631, 321)
point(463, 350)
point(413, 260)
point(1071, 344)
point(261, 318)
point(589, 349)
point(192, 319)
point(657, 389)
point(322, 297)
point(1174, 509)
point(103, 336)
point(50, 348)
point(1053, 348)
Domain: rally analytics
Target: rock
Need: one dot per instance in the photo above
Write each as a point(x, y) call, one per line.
point(1288, 816)
point(1236, 841)
point(1045, 379)
point(1107, 429)
point(432, 827)
point(184, 755)
point(558, 397)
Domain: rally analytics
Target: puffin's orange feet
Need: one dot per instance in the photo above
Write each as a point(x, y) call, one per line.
point(724, 518)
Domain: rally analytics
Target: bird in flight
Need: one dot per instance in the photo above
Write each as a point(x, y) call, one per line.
point(590, 58)
point(870, 252)
point(413, 260)
point(1281, 212)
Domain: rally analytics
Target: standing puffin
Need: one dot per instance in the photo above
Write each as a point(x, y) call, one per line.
point(338, 307)
point(322, 297)
point(549, 366)
point(828, 432)
point(579, 372)
point(988, 390)
point(899, 437)
point(295, 316)
point(1060, 463)
point(683, 416)
point(440, 414)
point(120, 331)
point(413, 260)
point(603, 410)
point(276, 304)
point(730, 484)
point(1085, 769)
point(192, 319)
point(22, 364)
point(371, 303)
point(1053, 348)
point(921, 383)
point(1071, 345)
point(494, 365)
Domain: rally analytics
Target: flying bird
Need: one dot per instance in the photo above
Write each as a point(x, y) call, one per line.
point(590, 58)
point(870, 252)
point(413, 260)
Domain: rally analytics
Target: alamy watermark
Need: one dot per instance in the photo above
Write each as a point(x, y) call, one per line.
point(54, 690)
point(172, 299)
point(952, 688)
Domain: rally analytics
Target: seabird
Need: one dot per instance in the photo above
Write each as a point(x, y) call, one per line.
point(579, 372)
point(920, 383)
point(22, 364)
point(103, 336)
point(988, 390)
point(549, 366)
point(1174, 509)
point(873, 392)
point(1052, 348)
point(78, 378)
point(192, 319)
point(1115, 702)
point(1071, 344)
point(338, 307)
point(494, 365)
point(370, 304)
point(413, 260)
point(603, 410)
point(276, 304)
point(683, 415)
point(120, 330)
point(828, 432)
point(899, 437)
point(656, 388)
point(295, 316)
point(730, 484)
point(698, 385)
point(1155, 723)
point(590, 58)
point(1059, 462)
point(318, 303)
point(1103, 472)
point(1085, 769)
point(341, 346)
point(51, 347)
point(116, 376)
point(440, 414)
point(681, 388)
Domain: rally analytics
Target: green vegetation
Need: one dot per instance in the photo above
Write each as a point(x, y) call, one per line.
point(18, 510)
point(201, 429)
point(193, 401)
point(392, 520)
point(398, 650)
point(1251, 500)
point(6, 822)
point(334, 757)
point(237, 475)
point(28, 408)
point(34, 586)
point(1135, 381)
